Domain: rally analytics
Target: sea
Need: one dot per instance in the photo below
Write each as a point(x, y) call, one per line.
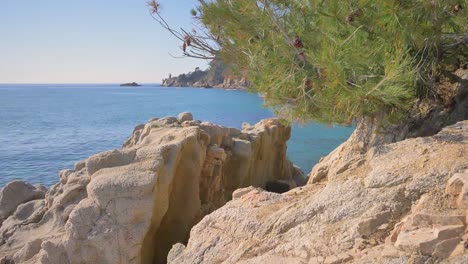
point(47, 128)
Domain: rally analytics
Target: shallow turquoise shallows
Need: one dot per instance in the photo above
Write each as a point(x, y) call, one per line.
point(47, 128)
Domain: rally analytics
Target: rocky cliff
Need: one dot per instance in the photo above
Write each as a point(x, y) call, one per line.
point(131, 205)
point(216, 76)
point(404, 202)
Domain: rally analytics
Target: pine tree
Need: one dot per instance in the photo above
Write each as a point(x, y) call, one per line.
point(335, 60)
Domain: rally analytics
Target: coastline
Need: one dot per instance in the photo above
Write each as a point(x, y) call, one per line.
point(96, 118)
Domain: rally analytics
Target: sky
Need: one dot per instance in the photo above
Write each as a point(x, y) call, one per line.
point(90, 41)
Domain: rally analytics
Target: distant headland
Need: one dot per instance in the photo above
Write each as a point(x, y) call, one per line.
point(216, 76)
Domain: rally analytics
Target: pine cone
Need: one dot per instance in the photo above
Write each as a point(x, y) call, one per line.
point(298, 43)
point(188, 40)
point(307, 83)
point(153, 6)
point(302, 56)
point(184, 47)
point(350, 18)
point(457, 8)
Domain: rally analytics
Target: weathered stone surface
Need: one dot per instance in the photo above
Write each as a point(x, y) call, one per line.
point(243, 191)
point(16, 193)
point(27, 213)
point(369, 225)
point(132, 204)
point(431, 235)
point(426, 240)
point(392, 192)
point(80, 165)
point(445, 248)
point(457, 187)
point(28, 251)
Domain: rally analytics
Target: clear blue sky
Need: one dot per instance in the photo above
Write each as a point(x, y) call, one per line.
point(89, 41)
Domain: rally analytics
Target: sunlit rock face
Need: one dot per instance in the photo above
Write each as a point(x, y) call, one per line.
point(403, 202)
point(131, 205)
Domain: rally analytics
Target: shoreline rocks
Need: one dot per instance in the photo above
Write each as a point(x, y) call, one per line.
point(402, 202)
point(131, 205)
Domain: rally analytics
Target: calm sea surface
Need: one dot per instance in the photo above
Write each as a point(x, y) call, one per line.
point(47, 128)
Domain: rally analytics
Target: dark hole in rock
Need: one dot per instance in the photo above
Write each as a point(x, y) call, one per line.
point(276, 187)
point(6, 260)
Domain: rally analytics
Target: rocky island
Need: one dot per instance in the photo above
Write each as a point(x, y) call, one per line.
point(132, 84)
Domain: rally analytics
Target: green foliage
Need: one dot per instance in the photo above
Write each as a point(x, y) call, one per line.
point(336, 60)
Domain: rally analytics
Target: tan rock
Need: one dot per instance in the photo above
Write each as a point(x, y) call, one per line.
point(325, 219)
point(368, 225)
point(457, 187)
point(241, 192)
point(132, 204)
point(430, 235)
point(27, 213)
point(185, 116)
point(445, 248)
point(80, 165)
point(28, 251)
point(391, 251)
point(459, 250)
point(332, 260)
point(314, 260)
point(16, 193)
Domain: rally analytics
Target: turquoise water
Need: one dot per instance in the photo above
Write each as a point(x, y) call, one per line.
point(47, 128)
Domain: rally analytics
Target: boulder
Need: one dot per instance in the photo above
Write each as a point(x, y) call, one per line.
point(185, 116)
point(432, 235)
point(27, 213)
point(16, 193)
point(369, 225)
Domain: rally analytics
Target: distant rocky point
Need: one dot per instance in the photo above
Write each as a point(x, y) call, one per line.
point(216, 76)
point(133, 84)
